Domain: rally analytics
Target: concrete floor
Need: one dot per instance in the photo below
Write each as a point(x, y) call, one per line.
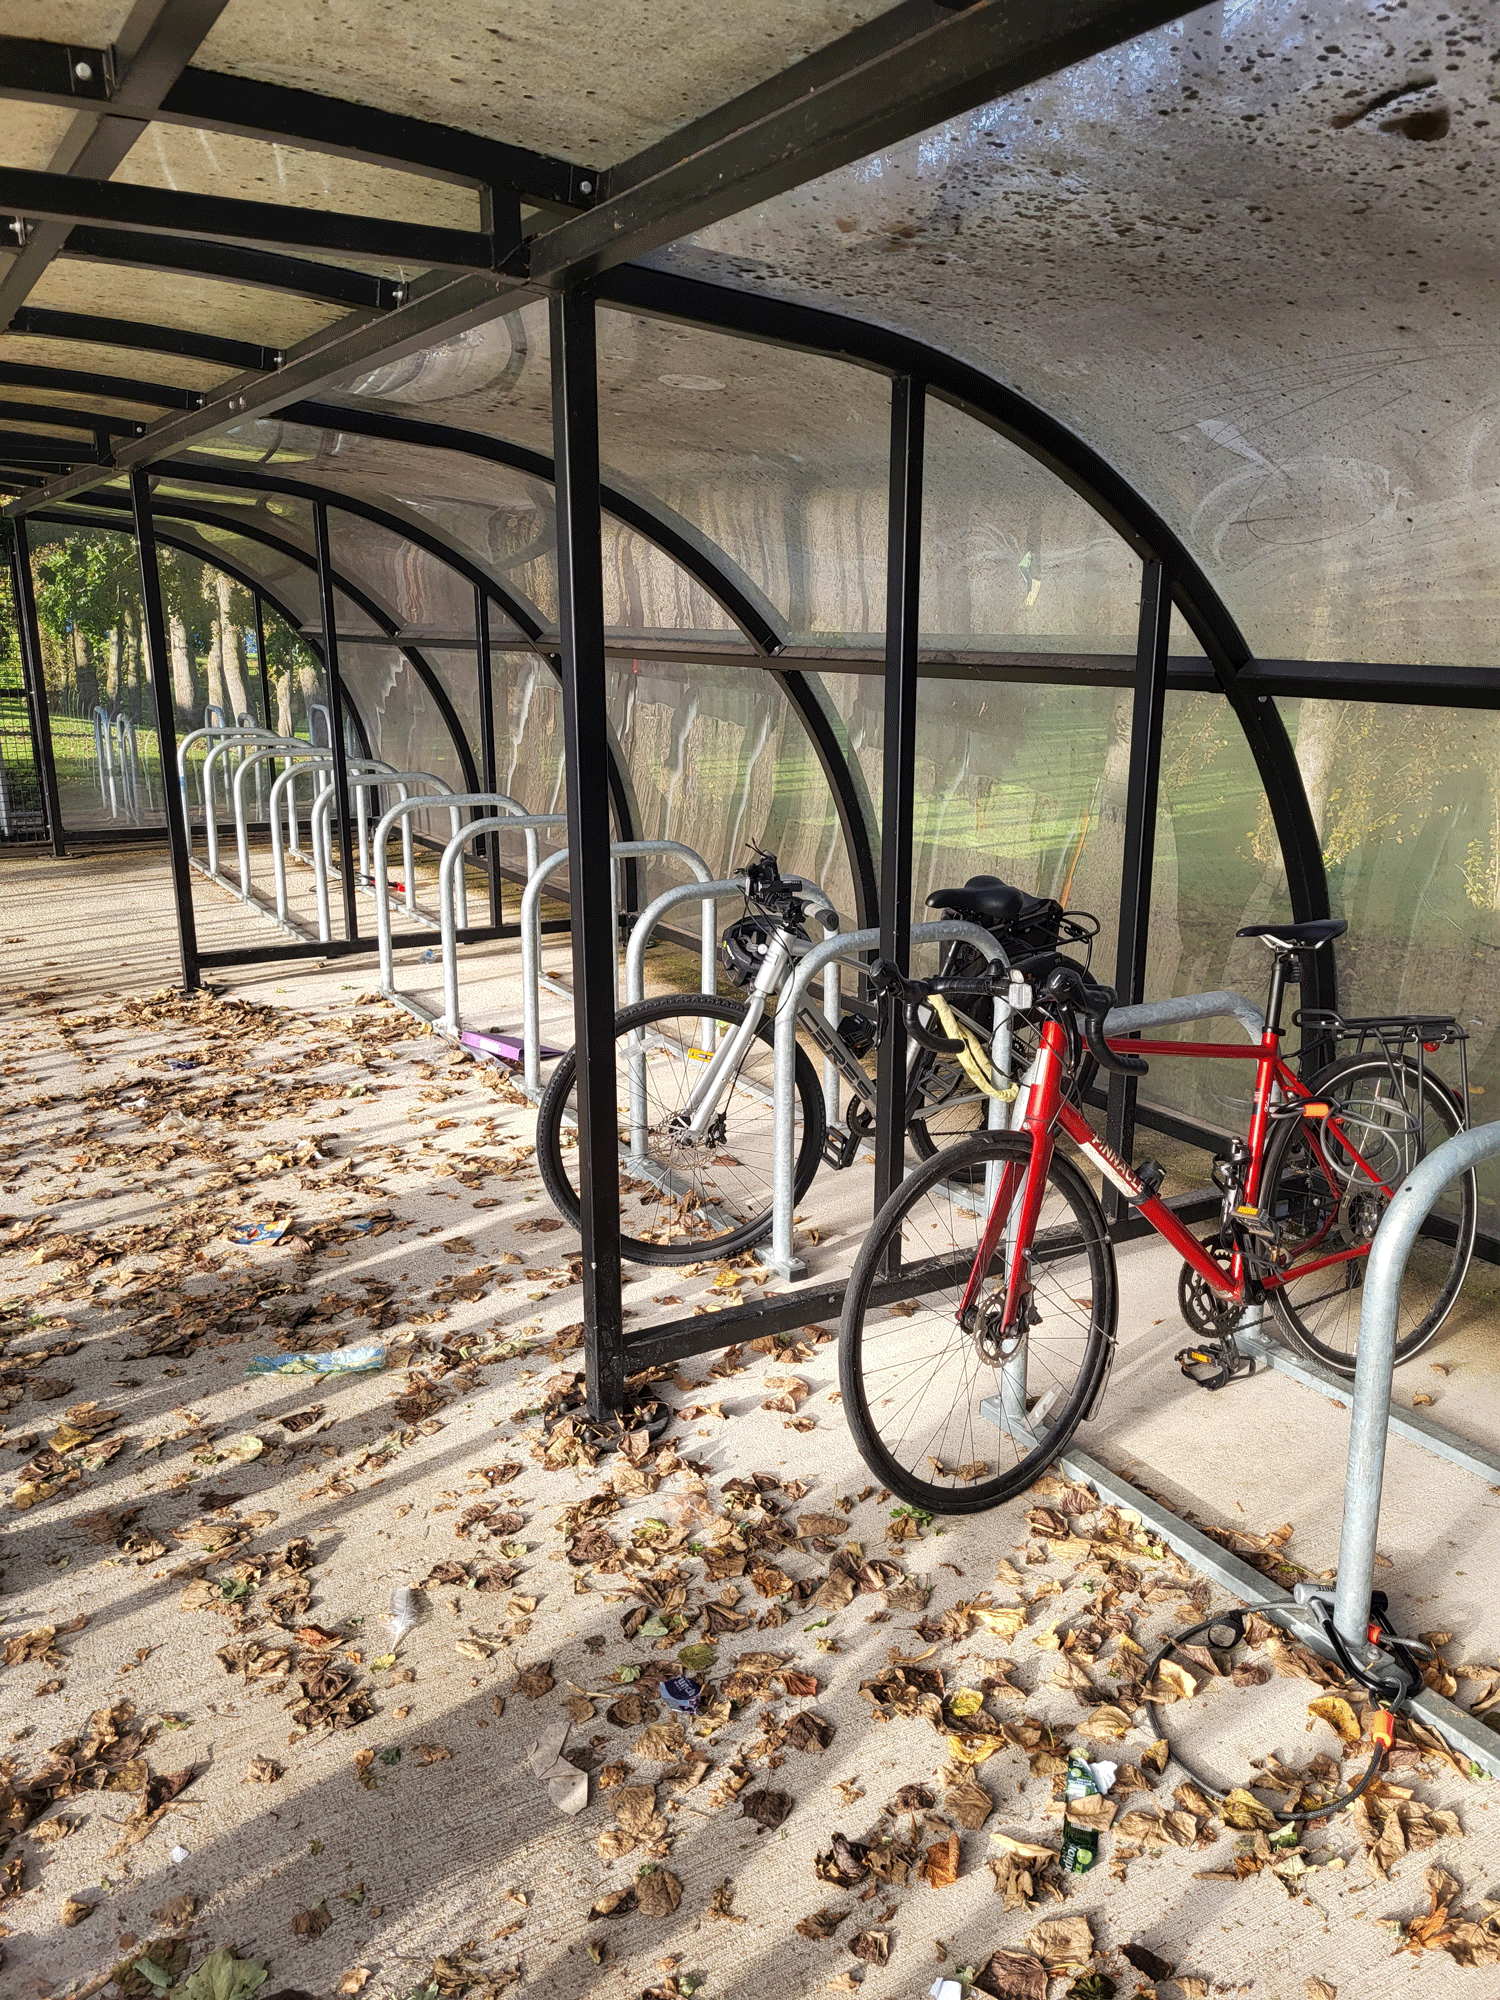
point(436, 1855)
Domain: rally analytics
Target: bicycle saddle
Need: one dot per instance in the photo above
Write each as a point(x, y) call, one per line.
point(1320, 930)
point(984, 899)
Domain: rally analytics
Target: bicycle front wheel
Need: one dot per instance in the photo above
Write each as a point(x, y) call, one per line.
point(955, 1421)
point(684, 1197)
point(1326, 1183)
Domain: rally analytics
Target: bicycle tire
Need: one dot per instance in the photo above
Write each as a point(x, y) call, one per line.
point(1071, 1248)
point(1300, 1178)
point(742, 1196)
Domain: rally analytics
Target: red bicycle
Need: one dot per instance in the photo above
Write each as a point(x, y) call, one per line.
point(979, 1324)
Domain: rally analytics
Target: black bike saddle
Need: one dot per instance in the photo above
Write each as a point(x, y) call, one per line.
point(1320, 930)
point(983, 899)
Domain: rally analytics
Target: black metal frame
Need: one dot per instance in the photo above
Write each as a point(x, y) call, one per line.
point(24, 590)
point(173, 805)
point(575, 432)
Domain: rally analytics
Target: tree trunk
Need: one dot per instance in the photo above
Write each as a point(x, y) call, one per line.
point(282, 683)
point(182, 664)
point(112, 668)
point(215, 672)
point(84, 677)
point(229, 652)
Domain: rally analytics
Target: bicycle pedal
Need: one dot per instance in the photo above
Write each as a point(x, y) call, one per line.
point(1214, 1364)
point(839, 1148)
point(1254, 1223)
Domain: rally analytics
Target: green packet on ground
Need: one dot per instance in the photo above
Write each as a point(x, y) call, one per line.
point(1080, 1849)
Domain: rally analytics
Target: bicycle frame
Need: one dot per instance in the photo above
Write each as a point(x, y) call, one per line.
point(1047, 1109)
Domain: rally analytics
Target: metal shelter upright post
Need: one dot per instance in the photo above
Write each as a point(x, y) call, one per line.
point(484, 664)
point(347, 884)
point(1147, 713)
point(575, 430)
point(260, 660)
point(36, 683)
point(903, 578)
point(173, 804)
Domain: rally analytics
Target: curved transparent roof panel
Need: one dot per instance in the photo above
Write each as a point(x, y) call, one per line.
point(1249, 258)
point(427, 597)
point(1013, 561)
point(176, 299)
point(778, 459)
point(773, 462)
point(647, 594)
point(589, 84)
point(494, 378)
point(504, 521)
point(142, 364)
point(217, 163)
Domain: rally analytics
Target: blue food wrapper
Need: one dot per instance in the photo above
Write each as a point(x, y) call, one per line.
point(259, 1232)
point(683, 1693)
point(342, 1361)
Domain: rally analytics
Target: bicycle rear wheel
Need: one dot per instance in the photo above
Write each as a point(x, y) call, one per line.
point(683, 1198)
point(1324, 1201)
point(940, 1415)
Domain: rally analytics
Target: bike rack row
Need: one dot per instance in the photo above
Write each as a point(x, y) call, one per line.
point(123, 780)
point(255, 749)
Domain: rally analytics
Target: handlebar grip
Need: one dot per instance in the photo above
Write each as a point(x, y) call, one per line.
point(926, 1037)
point(1104, 1055)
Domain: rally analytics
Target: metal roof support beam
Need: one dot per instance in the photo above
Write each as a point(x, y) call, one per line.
point(70, 419)
point(51, 73)
point(100, 331)
point(260, 225)
point(907, 69)
point(229, 263)
point(83, 382)
point(32, 673)
point(157, 41)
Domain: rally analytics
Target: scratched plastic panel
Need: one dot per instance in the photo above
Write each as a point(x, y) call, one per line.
point(1249, 259)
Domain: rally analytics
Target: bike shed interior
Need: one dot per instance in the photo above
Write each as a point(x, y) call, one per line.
point(920, 442)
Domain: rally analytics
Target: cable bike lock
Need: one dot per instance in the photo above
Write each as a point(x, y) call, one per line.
point(1396, 1685)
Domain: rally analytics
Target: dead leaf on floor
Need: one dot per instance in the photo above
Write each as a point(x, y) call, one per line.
point(968, 1802)
point(940, 1863)
point(74, 1911)
point(1320, 1989)
point(821, 1924)
point(1063, 1944)
point(657, 1891)
point(1012, 1975)
point(1150, 1964)
point(874, 1947)
point(312, 1923)
point(535, 1681)
point(355, 1980)
point(1335, 1711)
point(767, 1809)
point(1242, 1809)
point(721, 1906)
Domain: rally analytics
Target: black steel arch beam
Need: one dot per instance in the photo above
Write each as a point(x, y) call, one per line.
point(816, 331)
point(83, 382)
point(272, 270)
point(209, 101)
point(254, 531)
point(706, 564)
point(722, 579)
point(226, 221)
point(522, 615)
point(66, 417)
point(101, 331)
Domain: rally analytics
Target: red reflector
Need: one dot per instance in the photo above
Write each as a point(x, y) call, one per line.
point(1432, 1047)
